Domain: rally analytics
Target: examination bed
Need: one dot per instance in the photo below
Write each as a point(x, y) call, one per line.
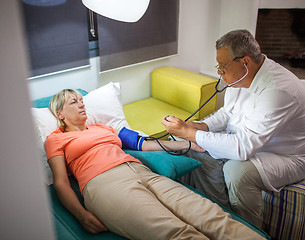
point(104, 106)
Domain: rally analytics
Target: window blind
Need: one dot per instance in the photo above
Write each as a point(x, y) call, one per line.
point(57, 37)
point(154, 36)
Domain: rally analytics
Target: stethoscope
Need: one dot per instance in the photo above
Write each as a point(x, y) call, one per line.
point(217, 90)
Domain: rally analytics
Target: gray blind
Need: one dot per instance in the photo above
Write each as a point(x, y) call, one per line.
point(153, 36)
point(57, 36)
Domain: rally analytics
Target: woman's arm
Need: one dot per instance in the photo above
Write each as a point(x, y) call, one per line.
point(131, 140)
point(69, 199)
point(152, 145)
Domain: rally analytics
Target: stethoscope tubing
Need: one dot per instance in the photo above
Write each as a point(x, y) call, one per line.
point(216, 91)
point(157, 139)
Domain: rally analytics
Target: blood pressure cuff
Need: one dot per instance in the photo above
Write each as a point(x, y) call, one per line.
point(131, 139)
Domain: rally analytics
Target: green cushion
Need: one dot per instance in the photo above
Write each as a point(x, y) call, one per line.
point(44, 102)
point(165, 164)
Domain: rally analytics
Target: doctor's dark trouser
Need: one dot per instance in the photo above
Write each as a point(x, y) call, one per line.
point(138, 204)
point(234, 184)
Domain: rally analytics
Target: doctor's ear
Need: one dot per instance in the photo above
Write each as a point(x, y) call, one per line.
point(246, 60)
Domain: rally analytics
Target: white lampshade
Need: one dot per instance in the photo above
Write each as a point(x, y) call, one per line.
point(121, 10)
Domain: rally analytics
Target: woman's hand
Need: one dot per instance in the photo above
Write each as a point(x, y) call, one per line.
point(91, 223)
point(69, 199)
point(196, 147)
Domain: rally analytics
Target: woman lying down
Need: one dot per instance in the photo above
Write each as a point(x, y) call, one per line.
point(120, 193)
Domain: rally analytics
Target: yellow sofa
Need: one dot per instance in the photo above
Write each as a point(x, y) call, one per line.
point(174, 92)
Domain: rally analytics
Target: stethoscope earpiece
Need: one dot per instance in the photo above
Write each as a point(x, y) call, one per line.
point(230, 85)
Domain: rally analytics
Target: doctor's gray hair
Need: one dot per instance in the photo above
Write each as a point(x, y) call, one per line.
point(57, 102)
point(241, 43)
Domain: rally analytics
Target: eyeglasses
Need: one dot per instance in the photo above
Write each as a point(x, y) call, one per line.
point(223, 68)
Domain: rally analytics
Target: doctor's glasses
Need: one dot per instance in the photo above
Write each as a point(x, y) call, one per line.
point(221, 68)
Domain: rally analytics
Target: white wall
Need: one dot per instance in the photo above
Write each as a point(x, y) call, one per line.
point(23, 203)
point(234, 14)
point(282, 4)
point(197, 34)
point(84, 78)
point(238, 14)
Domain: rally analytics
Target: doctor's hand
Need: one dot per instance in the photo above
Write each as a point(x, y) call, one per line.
point(198, 125)
point(179, 128)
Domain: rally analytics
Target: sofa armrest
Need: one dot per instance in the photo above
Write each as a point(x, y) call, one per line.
point(184, 89)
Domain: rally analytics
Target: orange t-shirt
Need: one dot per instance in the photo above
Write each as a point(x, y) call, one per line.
point(89, 152)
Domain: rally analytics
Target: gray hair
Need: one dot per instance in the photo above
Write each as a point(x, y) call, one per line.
point(57, 102)
point(241, 43)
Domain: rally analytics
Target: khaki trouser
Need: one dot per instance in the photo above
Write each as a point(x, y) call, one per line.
point(234, 184)
point(245, 190)
point(138, 204)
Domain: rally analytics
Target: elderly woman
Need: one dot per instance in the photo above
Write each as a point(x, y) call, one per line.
point(120, 193)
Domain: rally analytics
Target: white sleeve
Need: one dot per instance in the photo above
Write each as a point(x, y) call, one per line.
point(218, 121)
point(273, 108)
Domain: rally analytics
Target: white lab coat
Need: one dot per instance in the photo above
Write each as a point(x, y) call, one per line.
point(264, 123)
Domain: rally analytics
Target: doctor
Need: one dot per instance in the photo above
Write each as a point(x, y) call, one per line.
point(257, 139)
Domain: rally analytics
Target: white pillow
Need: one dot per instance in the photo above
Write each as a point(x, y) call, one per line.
point(103, 105)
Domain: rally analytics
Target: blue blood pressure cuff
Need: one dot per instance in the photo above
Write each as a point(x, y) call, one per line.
point(131, 139)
